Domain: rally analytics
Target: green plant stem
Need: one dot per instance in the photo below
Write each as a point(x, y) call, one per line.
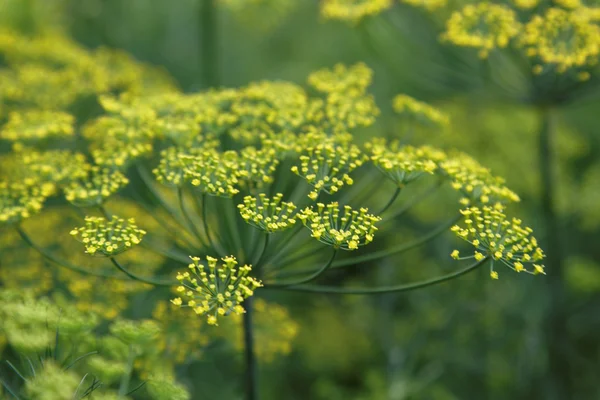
point(125, 379)
point(251, 373)
point(211, 242)
point(558, 358)
point(209, 46)
point(62, 263)
point(133, 276)
point(416, 199)
point(258, 261)
point(389, 289)
point(186, 215)
point(391, 201)
point(309, 278)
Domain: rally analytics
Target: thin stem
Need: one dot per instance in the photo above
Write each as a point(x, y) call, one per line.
point(258, 261)
point(558, 358)
point(392, 200)
point(416, 199)
point(251, 373)
point(309, 278)
point(400, 249)
point(389, 289)
point(133, 276)
point(211, 242)
point(124, 386)
point(186, 215)
point(62, 263)
point(209, 56)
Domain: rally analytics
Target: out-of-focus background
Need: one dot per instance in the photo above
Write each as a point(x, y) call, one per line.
point(473, 338)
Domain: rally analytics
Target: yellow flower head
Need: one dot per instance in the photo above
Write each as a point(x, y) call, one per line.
point(108, 238)
point(96, 187)
point(213, 172)
point(345, 229)
point(504, 241)
point(353, 10)
point(562, 39)
point(215, 290)
point(419, 112)
point(19, 200)
point(269, 215)
point(484, 26)
point(36, 125)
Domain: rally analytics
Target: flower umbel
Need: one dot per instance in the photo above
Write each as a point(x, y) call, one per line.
point(108, 238)
point(99, 184)
point(269, 215)
point(216, 289)
point(502, 240)
point(347, 229)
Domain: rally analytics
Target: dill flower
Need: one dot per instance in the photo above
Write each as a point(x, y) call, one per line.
point(525, 4)
point(475, 182)
point(327, 163)
point(262, 15)
point(93, 190)
point(345, 229)
point(139, 332)
point(562, 39)
point(420, 112)
point(172, 165)
point(256, 167)
point(342, 112)
point(213, 173)
point(269, 215)
point(493, 235)
point(108, 238)
point(353, 10)
point(35, 125)
point(216, 289)
point(405, 164)
point(52, 382)
point(109, 371)
point(113, 152)
point(55, 167)
point(484, 26)
point(19, 201)
point(342, 79)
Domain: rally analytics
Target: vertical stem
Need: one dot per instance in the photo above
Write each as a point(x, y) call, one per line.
point(209, 44)
point(125, 379)
point(558, 360)
point(251, 379)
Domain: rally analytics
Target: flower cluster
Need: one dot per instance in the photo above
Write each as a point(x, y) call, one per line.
point(429, 5)
point(269, 215)
point(108, 238)
point(495, 236)
point(484, 26)
point(403, 165)
point(93, 190)
point(20, 200)
point(36, 125)
point(345, 229)
point(475, 182)
point(342, 79)
point(216, 289)
point(53, 167)
point(213, 172)
point(419, 112)
point(562, 39)
point(353, 10)
point(327, 162)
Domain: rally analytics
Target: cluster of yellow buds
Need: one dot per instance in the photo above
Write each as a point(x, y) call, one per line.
point(429, 5)
point(108, 238)
point(269, 215)
point(353, 10)
point(54, 167)
point(19, 200)
point(525, 4)
point(136, 332)
point(342, 79)
point(562, 39)
point(213, 172)
point(345, 229)
point(216, 289)
point(484, 26)
point(493, 235)
point(36, 125)
point(172, 165)
point(417, 111)
point(405, 164)
point(96, 187)
point(327, 163)
point(256, 167)
point(475, 182)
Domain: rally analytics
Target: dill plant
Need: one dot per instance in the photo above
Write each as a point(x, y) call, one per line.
point(245, 182)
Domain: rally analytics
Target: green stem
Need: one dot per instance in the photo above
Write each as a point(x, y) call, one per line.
point(125, 379)
point(133, 276)
point(211, 242)
point(62, 263)
point(186, 215)
point(389, 289)
point(262, 253)
point(309, 278)
point(416, 199)
point(209, 46)
point(392, 200)
point(251, 373)
point(558, 357)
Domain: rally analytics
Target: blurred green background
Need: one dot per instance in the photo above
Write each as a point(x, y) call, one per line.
point(473, 338)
